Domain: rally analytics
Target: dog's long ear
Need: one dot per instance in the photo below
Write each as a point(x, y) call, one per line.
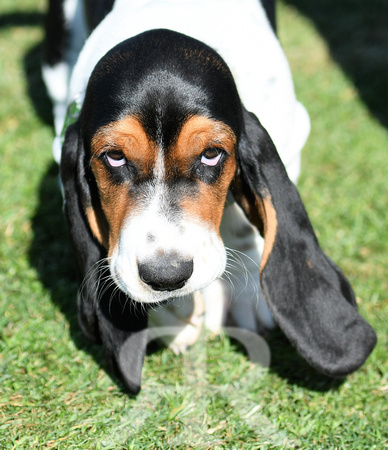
point(310, 298)
point(104, 314)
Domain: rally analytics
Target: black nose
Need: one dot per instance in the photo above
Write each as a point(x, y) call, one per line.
point(166, 273)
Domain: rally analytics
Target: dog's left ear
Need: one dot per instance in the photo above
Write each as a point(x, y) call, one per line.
point(105, 313)
point(310, 298)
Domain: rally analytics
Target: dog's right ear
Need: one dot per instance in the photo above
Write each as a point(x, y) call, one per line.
point(105, 314)
point(87, 250)
point(310, 298)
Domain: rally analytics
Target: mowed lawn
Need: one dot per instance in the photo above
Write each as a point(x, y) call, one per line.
point(55, 391)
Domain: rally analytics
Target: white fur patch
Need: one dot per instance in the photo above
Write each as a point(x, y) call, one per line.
point(187, 238)
point(56, 79)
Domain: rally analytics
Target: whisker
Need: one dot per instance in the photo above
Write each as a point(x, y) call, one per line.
point(236, 263)
point(236, 266)
point(227, 278)
point(91, 274)
point(246, 256)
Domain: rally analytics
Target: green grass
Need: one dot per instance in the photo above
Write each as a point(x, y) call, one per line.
point(54, 388)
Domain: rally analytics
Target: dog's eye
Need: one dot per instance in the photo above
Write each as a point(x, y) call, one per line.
point(115, 158)
point(211, 156)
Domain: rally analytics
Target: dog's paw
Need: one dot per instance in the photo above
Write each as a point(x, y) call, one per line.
point(179, 324)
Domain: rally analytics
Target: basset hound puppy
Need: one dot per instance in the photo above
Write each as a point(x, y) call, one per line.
point(168, 114)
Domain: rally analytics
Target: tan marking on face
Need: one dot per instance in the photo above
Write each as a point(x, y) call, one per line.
point(261, 213)
point(208, 205)
point(98, 225)
point(268, 215)
point(248, 203)
point(198, 134)
point(129, 137)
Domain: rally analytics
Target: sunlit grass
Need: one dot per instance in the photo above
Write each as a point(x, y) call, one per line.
point(55, 391)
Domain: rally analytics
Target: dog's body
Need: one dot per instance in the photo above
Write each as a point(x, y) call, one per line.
point(157, 146)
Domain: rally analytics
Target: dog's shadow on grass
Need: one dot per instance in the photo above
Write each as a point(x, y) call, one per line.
point(287, 364)
point(356, 34)
point(50, 251)
point(52, 255)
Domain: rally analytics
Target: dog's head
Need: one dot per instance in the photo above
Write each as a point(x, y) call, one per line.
point(161, 139)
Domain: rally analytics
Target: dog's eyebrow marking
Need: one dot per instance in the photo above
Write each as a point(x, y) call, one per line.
point(200, 132)
point(127, 135)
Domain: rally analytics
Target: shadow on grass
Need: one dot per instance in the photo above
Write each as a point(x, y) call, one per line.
point(290, 366)
point(32, 62)
point(52, 256)
point(35, 86)
point(50, 251)
point(357, 36)
point(22, 19)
